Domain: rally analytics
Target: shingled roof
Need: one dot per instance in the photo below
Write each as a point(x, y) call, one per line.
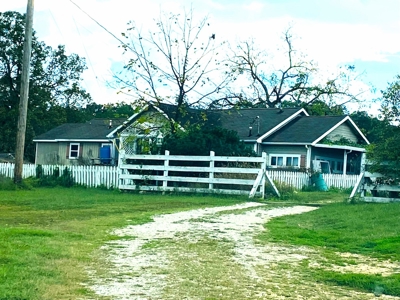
point(238, 120)
point(96, 129)
point(304, 130)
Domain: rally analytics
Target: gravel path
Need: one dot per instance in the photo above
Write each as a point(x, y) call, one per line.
point(139, 267)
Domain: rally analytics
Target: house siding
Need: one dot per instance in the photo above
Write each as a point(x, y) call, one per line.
point(48, 154)
point(56, 153)
point(284, 149)
point(343, 131)
point(287, 149)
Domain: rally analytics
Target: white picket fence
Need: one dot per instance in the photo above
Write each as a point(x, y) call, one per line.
point(90, 176)
point(94, 176)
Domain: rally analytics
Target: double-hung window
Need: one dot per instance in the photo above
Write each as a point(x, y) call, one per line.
point(284, 160)
point(74, 150)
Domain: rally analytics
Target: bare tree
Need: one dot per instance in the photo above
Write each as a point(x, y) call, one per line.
point(175, 64)
point(295, 83)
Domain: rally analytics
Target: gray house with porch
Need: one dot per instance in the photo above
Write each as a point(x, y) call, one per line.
point(292, 138)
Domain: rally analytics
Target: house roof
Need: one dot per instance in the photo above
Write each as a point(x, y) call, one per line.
point(96, 129)
point(269, 125)
point(261, 120)
point(304, 129)
point(238, 120)
point(310, 130)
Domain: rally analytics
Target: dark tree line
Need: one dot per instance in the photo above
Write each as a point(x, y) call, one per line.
point(180, 62)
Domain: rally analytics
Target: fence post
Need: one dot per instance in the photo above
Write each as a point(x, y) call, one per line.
point(264, 169)
point(211, 174)
point(121, 156)
point(166, 165)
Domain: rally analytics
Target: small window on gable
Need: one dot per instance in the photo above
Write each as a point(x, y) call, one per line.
point(74, 150)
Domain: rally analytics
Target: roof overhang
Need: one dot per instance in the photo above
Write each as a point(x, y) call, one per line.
point(128, 121)
point(132, 118)
point(74, 140)
point(280, 125)
point(284, 143)
point(342, 147)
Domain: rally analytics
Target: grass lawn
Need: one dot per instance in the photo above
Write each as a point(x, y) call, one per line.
point(366, 229)
point(49, 235)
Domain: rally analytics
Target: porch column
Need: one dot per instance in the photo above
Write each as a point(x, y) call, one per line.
point(308, 158)
point(345, 162)
point(363, 162)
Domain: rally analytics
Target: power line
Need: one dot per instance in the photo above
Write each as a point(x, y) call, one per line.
point(87, 54)
point(109, 32)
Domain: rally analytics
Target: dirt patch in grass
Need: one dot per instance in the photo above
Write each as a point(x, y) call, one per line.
point(210, 254)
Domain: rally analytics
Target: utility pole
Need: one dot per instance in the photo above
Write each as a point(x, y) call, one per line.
point(24, 92)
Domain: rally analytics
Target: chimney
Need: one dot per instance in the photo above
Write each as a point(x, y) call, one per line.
point(110, 125)
point(250, 128)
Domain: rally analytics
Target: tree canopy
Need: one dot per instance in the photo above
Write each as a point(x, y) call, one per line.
point(175, 63)
point(297, 80)
point(385, 154)
point(55, 91)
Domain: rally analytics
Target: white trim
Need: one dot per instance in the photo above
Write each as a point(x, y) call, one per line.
point(69, 150)
point(36, 153)
point(341, 147)
point(284, 143)
point(284, 157)
point(280, 125)
point(73, 140)
point(359, 131)
point(347, 118)
point(111, 134)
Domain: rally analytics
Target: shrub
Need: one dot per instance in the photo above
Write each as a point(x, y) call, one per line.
point(202, 140)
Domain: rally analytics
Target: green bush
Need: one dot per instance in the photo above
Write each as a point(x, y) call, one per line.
point(6, 184)
point(201, 140)
point(66, 179)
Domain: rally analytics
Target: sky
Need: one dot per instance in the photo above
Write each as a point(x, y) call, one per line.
point(333, 33)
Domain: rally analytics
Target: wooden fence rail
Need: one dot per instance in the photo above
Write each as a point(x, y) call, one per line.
point(203, 174)
point(244, 176)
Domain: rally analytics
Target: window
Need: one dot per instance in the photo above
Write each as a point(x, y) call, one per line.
point(284, 160)
point(74, 150)
point(336, 164)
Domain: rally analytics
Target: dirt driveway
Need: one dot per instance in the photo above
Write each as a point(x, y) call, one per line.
point(211, 254)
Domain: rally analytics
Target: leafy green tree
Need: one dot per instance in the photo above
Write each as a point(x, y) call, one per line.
point(373, 128)
point(54, 84)
point(197, 140)
point(390, 109)
point(109, 111)
point(385, 154)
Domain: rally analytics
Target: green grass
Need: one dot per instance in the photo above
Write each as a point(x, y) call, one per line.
point(48, 235)
point(366, 229)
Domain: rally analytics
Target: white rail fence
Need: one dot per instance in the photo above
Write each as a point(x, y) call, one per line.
point(94, 176)
point(203, 174)
point(90, 176)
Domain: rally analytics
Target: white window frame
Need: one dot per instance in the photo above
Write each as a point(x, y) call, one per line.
point(71, 151)
point(284, 160)
point(336, 164)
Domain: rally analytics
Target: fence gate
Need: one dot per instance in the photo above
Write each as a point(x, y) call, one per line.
point(200, 174)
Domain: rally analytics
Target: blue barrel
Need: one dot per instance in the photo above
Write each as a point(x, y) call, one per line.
point(320, 183)
point(105, 154)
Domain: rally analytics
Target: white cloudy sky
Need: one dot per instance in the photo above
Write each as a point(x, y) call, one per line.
point(364, 33)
